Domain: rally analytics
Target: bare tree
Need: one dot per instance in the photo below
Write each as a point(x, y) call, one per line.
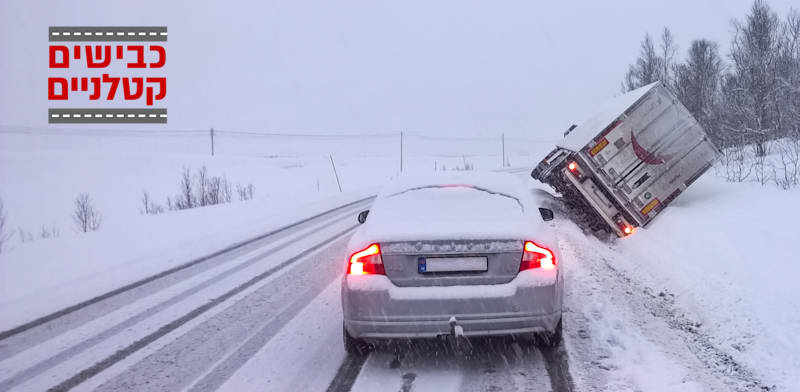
point(751, 89)
point(149, 206)
point(145, 203)
point(647, 68)
point(226, 193)
point(85, 215)
point(668, 51)
point(202, 193)
point(789, 175)
point(697, 85)
point(24, 236)
point(48, 232)
point(788, 75)
point(185, 198)
point(4, 235)
point(736, 164)
point(245, 192)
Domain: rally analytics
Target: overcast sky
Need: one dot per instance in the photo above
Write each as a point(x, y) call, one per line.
point(441, 68)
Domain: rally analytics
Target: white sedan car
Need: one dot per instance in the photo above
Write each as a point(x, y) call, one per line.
point(469, 254)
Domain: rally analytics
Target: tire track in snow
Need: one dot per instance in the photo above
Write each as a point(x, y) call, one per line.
point(556, 361)
point(71, 350)
point(302, 284)
point(41, 321)
point(347, 374)
point(649, 314)
point(493, 364)
point(141, 343)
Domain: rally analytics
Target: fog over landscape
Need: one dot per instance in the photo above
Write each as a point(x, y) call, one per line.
point(442, 68)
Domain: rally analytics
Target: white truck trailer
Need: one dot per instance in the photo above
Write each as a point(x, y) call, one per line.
point(629, 161)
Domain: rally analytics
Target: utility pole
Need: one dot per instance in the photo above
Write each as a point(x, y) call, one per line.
point(401, 151)
point(336, 174)
point(212, 142)
point(503, 141)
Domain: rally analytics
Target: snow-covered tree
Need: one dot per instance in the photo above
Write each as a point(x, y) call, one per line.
point(788, 74)
point(647, 69)
point(751, 89)
point(668, 51)
point(697, 83)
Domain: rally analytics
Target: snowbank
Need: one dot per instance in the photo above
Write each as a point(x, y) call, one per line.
point(729, 252)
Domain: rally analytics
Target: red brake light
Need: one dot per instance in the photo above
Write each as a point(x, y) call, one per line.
point(624, 226)
point(572, 166)
point(535, 256)
point(575, 169)
point(367, 261)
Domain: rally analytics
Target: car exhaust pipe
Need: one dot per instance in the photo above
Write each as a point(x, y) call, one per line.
point(457, 341)
point(455, 329)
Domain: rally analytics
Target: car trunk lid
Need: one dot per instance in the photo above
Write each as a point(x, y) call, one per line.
point(451, 262)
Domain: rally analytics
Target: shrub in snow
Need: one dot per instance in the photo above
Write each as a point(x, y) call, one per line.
point(24, 236)
point(789, 173)
point(735, 164)
point(149, 207)
point(86, 216)
point(217, 191)
point(185, 198)
point(4, 236)
point(247, 192)
point(49, 232)
point(780, 167)
point(199, 190)
point(762, 169)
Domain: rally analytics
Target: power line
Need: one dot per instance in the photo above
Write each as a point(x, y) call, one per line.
point(307, 135)
point(106, 132)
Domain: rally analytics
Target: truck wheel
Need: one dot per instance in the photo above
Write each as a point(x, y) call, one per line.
point(354, 346)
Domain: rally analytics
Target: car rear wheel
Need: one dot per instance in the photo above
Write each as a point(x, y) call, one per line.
point(551, 339)
point(354, 346)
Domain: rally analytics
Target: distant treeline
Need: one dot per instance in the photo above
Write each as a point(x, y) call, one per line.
point(750, 96)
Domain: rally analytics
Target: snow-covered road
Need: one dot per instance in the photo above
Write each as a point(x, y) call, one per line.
point(266, 315)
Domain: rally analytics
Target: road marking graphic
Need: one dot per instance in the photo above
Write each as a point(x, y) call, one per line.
point(152, 116)
point(107, 33)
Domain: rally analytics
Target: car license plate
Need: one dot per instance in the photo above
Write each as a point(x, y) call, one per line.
point(452, 264)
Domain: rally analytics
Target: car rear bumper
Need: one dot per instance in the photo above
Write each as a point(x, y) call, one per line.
point(374, 308)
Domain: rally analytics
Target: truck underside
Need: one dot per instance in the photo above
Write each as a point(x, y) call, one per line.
point(596, 208)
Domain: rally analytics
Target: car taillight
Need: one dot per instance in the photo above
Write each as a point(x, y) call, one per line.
point(366, 262)
point(535, 256)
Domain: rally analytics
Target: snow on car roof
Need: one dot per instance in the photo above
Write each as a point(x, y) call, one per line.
point(493, 182)
point(604, 116)
point(463, 205)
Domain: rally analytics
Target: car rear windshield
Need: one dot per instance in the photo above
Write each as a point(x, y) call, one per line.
point(440, 201)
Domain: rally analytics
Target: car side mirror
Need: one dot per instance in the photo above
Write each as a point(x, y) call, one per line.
point(362, 216)
point(547, 214)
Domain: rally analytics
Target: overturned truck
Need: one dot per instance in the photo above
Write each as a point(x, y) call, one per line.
point(629, 161)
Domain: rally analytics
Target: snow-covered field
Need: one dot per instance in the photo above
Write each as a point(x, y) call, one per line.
point(40, 175)
point(704, 299)
point(728, 253)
